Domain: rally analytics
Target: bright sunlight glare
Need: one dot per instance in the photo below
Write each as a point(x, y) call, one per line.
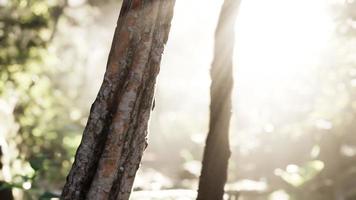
point(279, 41)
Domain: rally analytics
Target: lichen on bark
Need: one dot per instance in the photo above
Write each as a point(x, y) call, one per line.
point(115, 135)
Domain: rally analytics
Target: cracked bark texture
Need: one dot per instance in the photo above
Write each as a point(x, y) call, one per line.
point(217, 150)
point(115, 135)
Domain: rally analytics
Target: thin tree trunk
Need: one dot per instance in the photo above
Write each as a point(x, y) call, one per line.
point(115, 135)
point(217, 149)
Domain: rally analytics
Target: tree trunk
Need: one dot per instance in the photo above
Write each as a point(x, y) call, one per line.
point(217, 150)
point(115, 135)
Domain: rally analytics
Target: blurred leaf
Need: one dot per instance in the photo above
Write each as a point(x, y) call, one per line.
point(48, 195)
point(37, 163)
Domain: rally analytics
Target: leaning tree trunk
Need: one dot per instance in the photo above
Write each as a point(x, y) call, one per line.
point(115, 135)
point(217, 151)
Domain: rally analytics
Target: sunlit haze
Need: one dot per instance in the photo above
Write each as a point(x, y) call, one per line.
point(279, 41)
point(293, 115)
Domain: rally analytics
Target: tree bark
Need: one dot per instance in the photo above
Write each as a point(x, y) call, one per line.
point(115, 135)
point(217, 150)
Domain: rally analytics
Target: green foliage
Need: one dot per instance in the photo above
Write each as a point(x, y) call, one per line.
point(41, 110)
point(48, 196)
point(24, 29)
point(48, 122)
